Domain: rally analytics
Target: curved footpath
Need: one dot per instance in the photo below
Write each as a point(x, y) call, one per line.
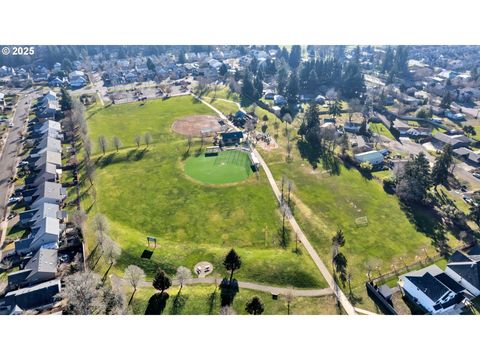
point(347, 306)
point(241, 284)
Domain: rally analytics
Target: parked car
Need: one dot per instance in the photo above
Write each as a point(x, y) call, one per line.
point(477, 175)
point(14, 200)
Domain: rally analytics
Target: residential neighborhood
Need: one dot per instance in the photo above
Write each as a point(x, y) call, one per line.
point(325, 151)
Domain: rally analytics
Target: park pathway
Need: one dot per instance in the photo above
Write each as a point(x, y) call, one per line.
point(241, 284)
point(347, 306)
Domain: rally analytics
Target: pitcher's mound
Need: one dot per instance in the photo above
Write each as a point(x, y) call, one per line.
point(196, 124)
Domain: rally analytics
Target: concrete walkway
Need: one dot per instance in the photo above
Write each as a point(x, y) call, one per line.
point(241, 284)
point(335, 289)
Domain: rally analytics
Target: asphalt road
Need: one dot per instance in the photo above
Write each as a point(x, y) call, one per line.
point(9, 157)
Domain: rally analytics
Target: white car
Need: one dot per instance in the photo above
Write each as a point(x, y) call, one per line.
point(14, 200)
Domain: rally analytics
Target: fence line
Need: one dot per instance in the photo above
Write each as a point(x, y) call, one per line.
point(429, 261)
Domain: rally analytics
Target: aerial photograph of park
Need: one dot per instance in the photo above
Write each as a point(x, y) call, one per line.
point(240, 180)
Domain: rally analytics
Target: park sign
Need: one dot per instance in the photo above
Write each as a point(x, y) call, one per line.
point(151, 239)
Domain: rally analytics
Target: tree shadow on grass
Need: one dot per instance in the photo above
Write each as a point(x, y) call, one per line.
point(156, 304)
point(309, 152)
point(211, 300)
point(427, 221)
point(178, 304)
point(228, 291)
point(331, 163)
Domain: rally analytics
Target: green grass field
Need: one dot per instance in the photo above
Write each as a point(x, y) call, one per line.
point(381, 129)
point(146, 192)
point(205, 300)
point(226, 167)
point(325, 203)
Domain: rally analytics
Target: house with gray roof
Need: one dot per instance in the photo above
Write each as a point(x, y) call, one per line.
point(39, 212)
point(33, 297)
point(41, 267)
point(48, 143)
point(456, 141)
point(49, 157)
point(44, 233)
point(48, 192)
point(467, 155)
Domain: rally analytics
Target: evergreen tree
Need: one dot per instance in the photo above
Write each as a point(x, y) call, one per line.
point(414, 179)
point(295, 57)
point(335, 108)
point(222, 71)
point(292, 87)
point(258, 84)
point(441, 168)
point(255, 306)
point(312, 82)
point(181, 57)
point(232, 262)
point(446, 100)
point(247, 93)
point(66, 101)
point(150, 65)
point(161, 281)
point(387, 63)
point(282, 79)
point(353, 84)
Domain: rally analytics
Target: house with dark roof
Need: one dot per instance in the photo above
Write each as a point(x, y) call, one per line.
point(41, 267)
point(432, 290)
point(232, 138)
point(464, 268)
point(32, 297)
point(440, 292)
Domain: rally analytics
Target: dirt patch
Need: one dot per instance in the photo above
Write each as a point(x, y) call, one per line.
point(193, 125)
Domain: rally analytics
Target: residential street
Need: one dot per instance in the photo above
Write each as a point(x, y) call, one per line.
point(9, 154)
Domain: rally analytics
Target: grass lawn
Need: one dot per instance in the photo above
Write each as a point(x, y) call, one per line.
point(205, 300)
point(325, 203)
point(226, 167)
point(381, 129)
point(145, 192)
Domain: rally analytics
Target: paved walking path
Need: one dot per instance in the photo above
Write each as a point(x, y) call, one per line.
point(348, 307)
point(241, 284)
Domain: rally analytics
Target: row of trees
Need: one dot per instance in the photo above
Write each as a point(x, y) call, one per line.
point(103, 144)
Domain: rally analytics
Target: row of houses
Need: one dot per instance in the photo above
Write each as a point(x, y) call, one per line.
point(47, 107)
point(35, 286)
point(445, 292)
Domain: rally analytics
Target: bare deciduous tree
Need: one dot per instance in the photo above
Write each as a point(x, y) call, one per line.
point(182, 276)
point(117, 142)
point(138, 140)
point(100, 224)
point(134, 275)
point(78, 219)
point(102, 143)
point(289, 298)
point(148, 139)
point(87, 146)
point(83, 294)
point(227, 310)
point(90, 171)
